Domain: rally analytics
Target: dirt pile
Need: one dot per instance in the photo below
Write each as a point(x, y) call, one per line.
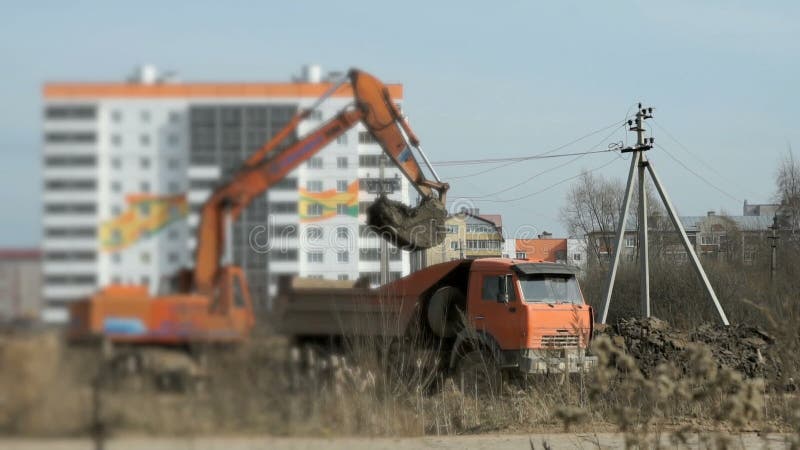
point(409, 228)
point(652, 341)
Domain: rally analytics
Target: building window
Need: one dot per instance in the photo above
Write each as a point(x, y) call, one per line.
point(452, 229)
point(144, 140)
point(144, 257)
point(576, 257)
point(286, 184)
point(342, 140)
point(144, 186)
point(173, 187)
point(630, 242)
point(483, 244)
point(315, 277)
point(70, 137)
point(708, 240)
point(315, 115)
point(314, 257)
point(173, 257)
point(69, 208)
point(343, 256)
point(285, 207)
point(116, 163)
point(365, 137)
point(479, 228)
point(70, 112)
point(174, 116)
point(70, 185)
point(173, 140)
point(116, 116)
point(314, 186)
point(342, 277)
point(453, 245)
point(145, 116)
point(341, 209)
point(522, 255)
point(342, 233)
point(341, 162)
point(314, 233)
point(314, 163)
point(116, 257)
point(174, 163)
point(116, 140)
point(341, 186)
point(314, 210)
point(70, 161)
point(116, 210)
point(144, 162)
point(145, 281)
point(116, 186)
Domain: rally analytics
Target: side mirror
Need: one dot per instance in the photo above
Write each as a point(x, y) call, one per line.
point(503, 289)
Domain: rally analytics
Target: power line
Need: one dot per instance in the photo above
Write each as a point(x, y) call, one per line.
point(548, 187)
point(515, 159)
point(536, 175)
point(702, 178)
point(697, 157)
point(539, 155)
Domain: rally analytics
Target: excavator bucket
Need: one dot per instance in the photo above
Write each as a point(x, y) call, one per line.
point(408, 228)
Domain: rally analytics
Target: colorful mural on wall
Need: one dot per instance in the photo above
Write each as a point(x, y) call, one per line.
point(319, 206)
point(145, 215)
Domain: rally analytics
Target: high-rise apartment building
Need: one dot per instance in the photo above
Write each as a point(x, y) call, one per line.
point(128, 165)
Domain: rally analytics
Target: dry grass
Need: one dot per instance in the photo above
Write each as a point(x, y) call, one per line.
point(382, 387)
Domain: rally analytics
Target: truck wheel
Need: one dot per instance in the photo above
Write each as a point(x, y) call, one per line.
point(477, 373)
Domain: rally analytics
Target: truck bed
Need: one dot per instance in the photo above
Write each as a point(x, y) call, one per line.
point(310, 307)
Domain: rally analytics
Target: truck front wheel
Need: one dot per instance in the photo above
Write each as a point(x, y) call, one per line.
point(478, 374)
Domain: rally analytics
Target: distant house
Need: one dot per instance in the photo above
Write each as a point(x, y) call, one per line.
point(20, 284)
point(543, 248)
point(712, 236)
point(469, 235)
point(764, 209)
point(558, 250)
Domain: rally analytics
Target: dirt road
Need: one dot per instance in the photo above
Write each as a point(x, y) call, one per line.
point(494, 442)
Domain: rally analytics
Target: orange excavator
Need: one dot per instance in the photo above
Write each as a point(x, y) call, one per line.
point(211, 302)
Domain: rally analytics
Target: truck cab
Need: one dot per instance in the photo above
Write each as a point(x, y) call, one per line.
point(531, 315)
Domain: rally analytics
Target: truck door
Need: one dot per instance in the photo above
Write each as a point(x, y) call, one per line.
point(488, 313)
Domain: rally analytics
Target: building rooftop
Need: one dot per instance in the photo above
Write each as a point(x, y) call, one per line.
point(496, 219)
point(744, 223)
point(147, 82)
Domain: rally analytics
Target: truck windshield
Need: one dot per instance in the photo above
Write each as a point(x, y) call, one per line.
point(550, 289)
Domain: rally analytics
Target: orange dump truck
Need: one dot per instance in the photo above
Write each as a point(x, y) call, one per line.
point(516, 315)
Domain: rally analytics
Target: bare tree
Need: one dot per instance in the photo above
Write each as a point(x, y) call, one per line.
point(787, 182)
point(593, 206)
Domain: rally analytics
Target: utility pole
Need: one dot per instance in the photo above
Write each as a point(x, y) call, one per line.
point(773, 263)
point(639, 165)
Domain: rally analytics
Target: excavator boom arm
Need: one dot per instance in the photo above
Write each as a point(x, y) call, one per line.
point(268, 165)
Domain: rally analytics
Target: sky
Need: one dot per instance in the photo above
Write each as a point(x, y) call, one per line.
point(482, 80)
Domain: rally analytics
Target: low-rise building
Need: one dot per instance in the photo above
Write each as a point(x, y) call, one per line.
point(20, 284)
point(469, 235)
point(545, 247)
point(733, 238)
